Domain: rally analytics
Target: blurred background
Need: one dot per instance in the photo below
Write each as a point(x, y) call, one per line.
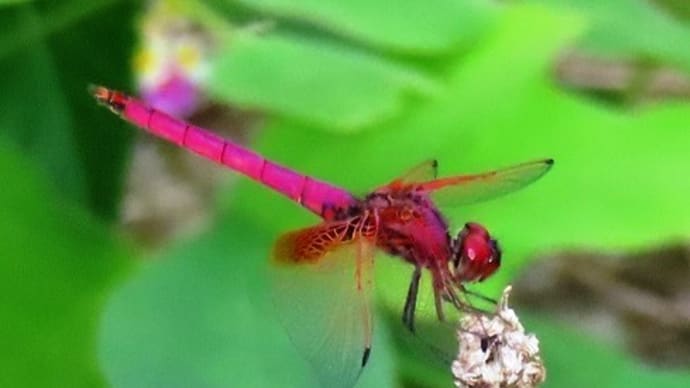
point(126, 262)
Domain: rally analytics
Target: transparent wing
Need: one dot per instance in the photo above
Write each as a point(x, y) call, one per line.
point(467, 189)
point(321, 289)
point(422, 172)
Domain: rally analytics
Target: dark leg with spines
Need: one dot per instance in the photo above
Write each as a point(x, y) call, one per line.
point(411, 301)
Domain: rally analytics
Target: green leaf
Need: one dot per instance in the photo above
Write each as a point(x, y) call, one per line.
point(679, 8)
point(35, 113)
point(103, 140)
point(11, 2)
point(56, 265)
point(429, 27)
point(633, 29)
point(57, 51)
point(321, 82)
point(200, 316)
point(611, 187)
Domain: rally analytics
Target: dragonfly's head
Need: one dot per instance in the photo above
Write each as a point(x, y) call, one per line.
point(476, 256)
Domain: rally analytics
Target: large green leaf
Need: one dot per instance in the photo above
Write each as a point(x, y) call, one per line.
point(56, 266)
point(429, 27)
point(199, 317)
point(503, 109)
point(321, 82)
point(615, 184)
point(49, 53)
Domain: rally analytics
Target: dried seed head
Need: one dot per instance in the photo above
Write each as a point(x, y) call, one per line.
point(496, 352)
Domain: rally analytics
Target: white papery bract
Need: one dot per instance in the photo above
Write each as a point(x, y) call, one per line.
point(495, 351)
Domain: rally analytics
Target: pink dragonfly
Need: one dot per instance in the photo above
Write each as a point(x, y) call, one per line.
point(323, 273)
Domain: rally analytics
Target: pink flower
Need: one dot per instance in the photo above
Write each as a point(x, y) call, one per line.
point(177, 96)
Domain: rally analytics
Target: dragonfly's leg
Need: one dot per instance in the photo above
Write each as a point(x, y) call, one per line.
point(411, 301)
point(478, 295)
point(459, 304)
point(453, 298)
point(439, 306)
point(439, 292)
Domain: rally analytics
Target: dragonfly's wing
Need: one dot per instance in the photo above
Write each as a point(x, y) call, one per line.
point(322, 281)
point(467, 189)
point(422, 172)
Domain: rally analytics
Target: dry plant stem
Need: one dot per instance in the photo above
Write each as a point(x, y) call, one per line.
point(503, 355)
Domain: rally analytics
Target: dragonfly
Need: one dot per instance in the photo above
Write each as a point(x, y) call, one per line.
point(322, 274)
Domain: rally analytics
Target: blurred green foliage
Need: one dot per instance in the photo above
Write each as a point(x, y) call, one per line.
point(354, 88)
point(355, 93)
point(49, 53)
point(632, 29)
point(414, 28)
point(56, 268)
point(201, 317)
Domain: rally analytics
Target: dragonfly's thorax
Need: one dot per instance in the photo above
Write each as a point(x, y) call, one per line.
point(409, 226)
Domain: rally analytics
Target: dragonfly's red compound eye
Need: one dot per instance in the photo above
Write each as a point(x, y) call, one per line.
point(475, 255)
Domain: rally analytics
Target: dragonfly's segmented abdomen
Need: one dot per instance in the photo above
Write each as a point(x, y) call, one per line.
point(310, 193)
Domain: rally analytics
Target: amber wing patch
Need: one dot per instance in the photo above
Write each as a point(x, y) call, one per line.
point(311, 244)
